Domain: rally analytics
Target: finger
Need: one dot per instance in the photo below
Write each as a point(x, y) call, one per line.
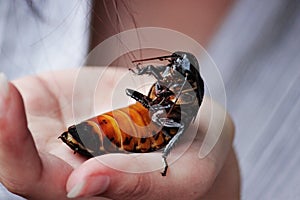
point(218, 128)
point(102, 177)
point(227, 183)
point(19, 159)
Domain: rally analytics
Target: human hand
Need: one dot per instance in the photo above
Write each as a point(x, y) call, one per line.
point(36, 165)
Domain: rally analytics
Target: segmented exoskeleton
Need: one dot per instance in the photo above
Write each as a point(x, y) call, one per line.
point(156, 121)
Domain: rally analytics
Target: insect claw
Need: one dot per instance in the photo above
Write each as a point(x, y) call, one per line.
point(76, 150)
point(164, 173)
point(132, 70)
point(164, 159)
point(129, 92)
point(144, 100)
point(137, 68)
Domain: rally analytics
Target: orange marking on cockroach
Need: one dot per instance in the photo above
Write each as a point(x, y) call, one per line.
point(156, 121)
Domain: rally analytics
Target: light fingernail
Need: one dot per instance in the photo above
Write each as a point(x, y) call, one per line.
point(76, 190)
point(92, 186)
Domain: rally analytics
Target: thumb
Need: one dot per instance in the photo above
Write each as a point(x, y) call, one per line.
point(99, 177)
point(18, 154)
point(137, 176)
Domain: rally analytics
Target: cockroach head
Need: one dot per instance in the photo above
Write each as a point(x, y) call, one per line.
point(185, 55)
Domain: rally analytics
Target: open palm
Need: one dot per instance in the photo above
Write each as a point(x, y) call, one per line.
point(36, 165)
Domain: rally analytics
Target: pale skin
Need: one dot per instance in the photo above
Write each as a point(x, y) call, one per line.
point(36, 165)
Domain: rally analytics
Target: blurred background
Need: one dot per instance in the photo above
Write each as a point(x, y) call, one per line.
point(256, 48)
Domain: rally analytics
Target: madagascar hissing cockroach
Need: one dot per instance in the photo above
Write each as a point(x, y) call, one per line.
point(156, 121)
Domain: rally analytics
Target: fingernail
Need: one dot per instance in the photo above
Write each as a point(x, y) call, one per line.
point(76, 190)
point(3, 92)
point(90, 187)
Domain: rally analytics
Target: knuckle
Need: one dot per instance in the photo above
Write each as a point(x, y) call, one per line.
point(137, 189)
